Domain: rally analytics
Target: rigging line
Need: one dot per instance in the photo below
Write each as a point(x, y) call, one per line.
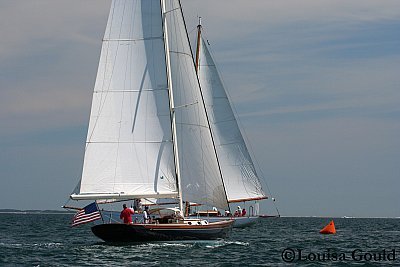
point(172, 10)
point(186, 105)
point(207, 65)
point(239, 165)
point(74, 191)
point(269, 191)
point(192, 30)
point(244, 132)
point(180, 53)
point(229, 143)
point(222, 121)
point(192, 124)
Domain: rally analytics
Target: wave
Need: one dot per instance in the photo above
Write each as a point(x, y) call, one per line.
point(29, 245)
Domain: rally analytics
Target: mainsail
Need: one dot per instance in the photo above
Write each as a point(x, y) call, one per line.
point(239, 175)
point(145, 60)
point(129, 142)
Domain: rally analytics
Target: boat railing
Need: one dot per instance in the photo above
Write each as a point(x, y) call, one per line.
point(110, 216)
point(251, 209)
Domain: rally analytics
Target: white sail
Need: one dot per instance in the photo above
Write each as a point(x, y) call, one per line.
point(200, 175)
point(239, 175)
point(129, 150)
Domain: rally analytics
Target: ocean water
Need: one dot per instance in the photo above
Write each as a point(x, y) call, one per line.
point(47, 240)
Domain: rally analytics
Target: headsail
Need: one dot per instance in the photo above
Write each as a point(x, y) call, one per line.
point(129, 150)
point(240, 177)
point(129, 143)
point(201, 178)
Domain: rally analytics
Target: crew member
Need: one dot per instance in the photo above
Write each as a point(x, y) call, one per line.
point(126, 214)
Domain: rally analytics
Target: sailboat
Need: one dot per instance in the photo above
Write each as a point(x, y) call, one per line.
point(241, 181)
point(149, 135)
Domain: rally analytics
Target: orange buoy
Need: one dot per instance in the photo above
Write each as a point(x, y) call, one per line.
point(329, 229)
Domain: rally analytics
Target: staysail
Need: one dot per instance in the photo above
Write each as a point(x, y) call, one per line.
point(201, 178)
point(129, 148)
point(238, 171)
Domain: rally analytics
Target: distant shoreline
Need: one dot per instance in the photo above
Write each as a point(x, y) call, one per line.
point(342, 217)
point(14, 211)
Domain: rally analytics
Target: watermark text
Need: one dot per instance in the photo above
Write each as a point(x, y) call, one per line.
point(330, 255)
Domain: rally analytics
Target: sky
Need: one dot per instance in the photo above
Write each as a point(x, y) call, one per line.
point(315, 84)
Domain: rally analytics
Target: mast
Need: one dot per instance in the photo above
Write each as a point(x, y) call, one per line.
point(172, 108)
point(198, 46)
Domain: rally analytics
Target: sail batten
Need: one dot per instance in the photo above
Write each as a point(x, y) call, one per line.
point(131, 40)
point(181, 53)
point(129, 90)
point(132, 142)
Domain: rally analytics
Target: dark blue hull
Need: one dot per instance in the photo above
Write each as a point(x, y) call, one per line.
point(117, 232)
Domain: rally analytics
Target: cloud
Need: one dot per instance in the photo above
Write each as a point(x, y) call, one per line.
point(353, 88)
point(28, 25)
point(334, 161)
point(53, 47)
point(48, 62)
point(315, 81)
point(345, 67)
point(237, 18)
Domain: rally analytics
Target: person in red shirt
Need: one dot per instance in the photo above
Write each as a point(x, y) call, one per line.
point(126, 215)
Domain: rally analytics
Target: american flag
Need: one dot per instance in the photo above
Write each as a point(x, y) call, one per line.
point(87, 214)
